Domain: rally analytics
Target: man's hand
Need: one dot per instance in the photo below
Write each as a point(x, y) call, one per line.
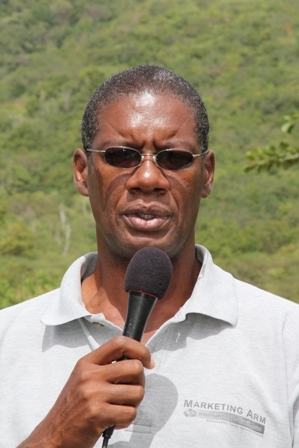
point(98, 394)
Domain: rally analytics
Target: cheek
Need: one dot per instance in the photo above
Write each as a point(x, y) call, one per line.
point(96, 188)
point(192, 189)
point(104, 187)
point(187, 199)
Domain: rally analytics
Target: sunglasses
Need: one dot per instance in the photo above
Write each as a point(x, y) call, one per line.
point(167, 159)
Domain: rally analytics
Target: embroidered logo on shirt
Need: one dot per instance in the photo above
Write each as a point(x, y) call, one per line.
point(226, 413)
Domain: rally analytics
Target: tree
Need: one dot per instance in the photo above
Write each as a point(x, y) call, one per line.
point(284, 155)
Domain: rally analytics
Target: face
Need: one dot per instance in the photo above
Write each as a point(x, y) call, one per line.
point(145, 205)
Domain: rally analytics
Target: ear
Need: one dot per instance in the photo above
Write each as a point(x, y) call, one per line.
point(80, 165)
point(208, 173)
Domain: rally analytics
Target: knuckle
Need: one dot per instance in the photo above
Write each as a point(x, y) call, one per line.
point(136, 367)
point(120, 342)
point(85, 376)
point(139, 393)
point(133, 413)
point(94, 410)
point(79, 365)
point(130, 414)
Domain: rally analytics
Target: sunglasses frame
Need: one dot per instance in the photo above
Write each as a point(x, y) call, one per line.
point(154, 156)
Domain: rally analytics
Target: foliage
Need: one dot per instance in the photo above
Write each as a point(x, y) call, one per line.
point(243, 59)
point(284, 154)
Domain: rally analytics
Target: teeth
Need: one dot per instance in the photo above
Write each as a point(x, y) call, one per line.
point(146, 217)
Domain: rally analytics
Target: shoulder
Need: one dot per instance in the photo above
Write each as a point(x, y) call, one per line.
point(253, 297)
point(269, 315)
point(26, 314)
point(255, 306)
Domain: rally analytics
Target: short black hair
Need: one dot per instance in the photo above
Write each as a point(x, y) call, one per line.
point(144, 78)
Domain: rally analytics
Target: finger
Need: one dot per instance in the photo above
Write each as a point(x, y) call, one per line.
point(119, 416)
point(123, 394)
point(128, 371)
point(118, 348)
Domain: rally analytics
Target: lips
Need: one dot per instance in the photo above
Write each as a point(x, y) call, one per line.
point(146, 218)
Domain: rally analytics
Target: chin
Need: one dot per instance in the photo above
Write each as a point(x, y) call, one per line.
point(172, 251)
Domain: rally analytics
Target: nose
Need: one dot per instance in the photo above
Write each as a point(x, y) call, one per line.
point(148, 177)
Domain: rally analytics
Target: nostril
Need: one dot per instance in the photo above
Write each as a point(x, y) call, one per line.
point(148, 177)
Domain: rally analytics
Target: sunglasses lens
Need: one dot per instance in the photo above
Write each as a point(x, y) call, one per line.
point(174, 159)
point(122, 157)
point(169, 159)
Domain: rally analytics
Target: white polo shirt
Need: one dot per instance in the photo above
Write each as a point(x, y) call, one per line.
point(226, 374)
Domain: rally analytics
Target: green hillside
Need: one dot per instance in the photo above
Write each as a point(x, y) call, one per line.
point(242, 56)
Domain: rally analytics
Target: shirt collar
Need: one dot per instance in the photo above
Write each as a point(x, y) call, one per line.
point(214, 293)
point(68, 305)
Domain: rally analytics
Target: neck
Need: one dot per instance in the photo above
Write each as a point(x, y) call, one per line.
point(103, 291)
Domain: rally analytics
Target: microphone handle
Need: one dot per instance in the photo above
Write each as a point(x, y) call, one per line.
point(140, 305)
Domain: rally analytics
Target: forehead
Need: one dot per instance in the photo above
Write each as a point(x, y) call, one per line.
point(146, 99)
point(147, 114)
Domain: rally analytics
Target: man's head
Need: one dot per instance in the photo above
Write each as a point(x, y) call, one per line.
point(144, 78)
point(154, 202)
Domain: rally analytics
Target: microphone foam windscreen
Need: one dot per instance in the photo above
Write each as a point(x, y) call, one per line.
point(149, 271)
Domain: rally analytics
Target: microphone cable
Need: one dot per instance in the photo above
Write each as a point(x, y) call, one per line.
point(106, 436)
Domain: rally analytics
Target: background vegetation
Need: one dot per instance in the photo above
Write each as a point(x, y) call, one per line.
point(242, 56)
point(284, 154)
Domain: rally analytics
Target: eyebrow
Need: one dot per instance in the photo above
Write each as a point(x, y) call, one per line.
point(166, 145)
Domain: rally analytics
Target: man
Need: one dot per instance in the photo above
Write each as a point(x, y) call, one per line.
point(225, 368)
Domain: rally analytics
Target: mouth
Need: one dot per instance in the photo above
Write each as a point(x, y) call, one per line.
point(147, 217)
point(146, 220)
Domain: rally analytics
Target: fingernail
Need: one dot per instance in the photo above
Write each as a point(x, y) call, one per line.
point(153, 364)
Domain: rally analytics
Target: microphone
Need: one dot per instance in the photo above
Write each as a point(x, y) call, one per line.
point(147, 279)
